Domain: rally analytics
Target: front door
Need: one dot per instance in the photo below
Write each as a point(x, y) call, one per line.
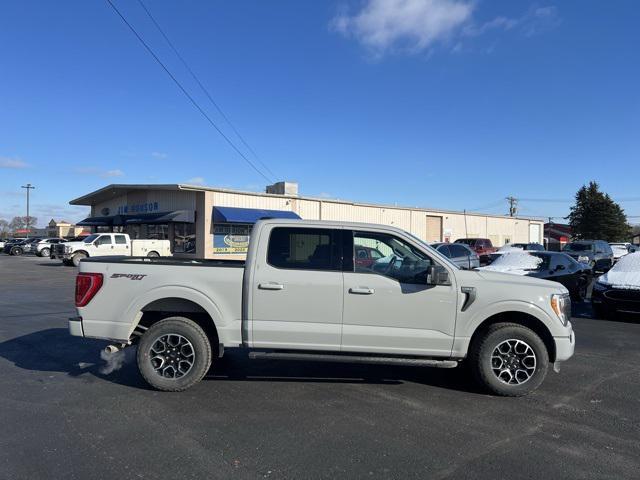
point(389, 308)
point(297, 293)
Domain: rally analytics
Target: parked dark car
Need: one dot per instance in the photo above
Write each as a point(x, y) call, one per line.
point(595, 253)
point(554, 266)
point(366, 256)
point(458, 253)
point(482, 246)
point(529, 246)
point(10, 243)
point(618, 291)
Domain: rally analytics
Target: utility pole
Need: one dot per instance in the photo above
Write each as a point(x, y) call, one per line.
point(29, 187)
point(513, 206)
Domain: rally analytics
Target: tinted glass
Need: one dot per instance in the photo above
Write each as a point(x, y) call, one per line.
point(304, 249)
point(121, 239)
point(445, 250)
point(578, 247)
point(104, 240)
point(545, 264)
point(458, 251)
point(401, 261)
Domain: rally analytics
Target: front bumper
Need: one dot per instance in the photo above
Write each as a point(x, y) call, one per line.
point(75, 327)
point(565, 347)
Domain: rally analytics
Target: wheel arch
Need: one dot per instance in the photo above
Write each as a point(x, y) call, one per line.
point(167, 307)
point(519, 318)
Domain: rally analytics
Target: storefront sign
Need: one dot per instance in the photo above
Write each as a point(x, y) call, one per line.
point(148, 207)
point(231, 239)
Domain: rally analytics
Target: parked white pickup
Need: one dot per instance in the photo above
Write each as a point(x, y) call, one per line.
point(111, 245)
point(304, 294)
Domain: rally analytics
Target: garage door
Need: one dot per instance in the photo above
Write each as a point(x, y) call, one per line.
point(534, 233)
point(434, 229)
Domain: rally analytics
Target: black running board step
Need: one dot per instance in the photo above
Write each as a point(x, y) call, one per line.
point(371, 360)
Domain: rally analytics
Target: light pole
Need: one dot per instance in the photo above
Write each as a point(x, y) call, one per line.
point(29, 187)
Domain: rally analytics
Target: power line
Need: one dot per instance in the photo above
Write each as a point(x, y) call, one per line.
point(191, 99)
point(203, 88)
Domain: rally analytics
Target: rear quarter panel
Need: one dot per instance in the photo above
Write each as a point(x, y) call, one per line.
point(129, 287)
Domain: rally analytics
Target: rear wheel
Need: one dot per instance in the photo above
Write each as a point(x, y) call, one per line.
point(174, 354)
point(153, 254)
point(509, 360)
point(77, 257)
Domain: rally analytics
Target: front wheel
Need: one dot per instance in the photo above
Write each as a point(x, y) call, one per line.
point(44, 252)
point(174, 354)
point(509, 360)
point(77, 258)
point(17, 251)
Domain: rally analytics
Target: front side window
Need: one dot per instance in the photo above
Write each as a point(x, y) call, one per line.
point(104, 240)
point(401, 261)
point(305, 249)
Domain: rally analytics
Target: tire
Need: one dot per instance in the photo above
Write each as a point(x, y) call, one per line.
point(164, 334)
point(77, 257)
point(44, 252)
point(153, 254)
point(602, 312)
point(17, 251)
point(580, 293)
point(67, 263)
point(521, 347)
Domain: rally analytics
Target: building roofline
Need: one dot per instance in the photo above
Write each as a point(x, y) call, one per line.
point(85, 199)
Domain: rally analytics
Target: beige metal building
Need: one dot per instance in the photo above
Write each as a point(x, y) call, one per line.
point(210, 222)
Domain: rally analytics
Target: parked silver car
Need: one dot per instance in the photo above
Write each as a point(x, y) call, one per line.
point(458, 253)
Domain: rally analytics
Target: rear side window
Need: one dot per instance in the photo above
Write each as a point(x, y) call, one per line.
point(305, 249)
point(121, 239)
point(446, 250)
point(458, 251)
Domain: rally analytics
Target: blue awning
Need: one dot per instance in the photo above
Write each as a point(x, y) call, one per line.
point(247, 215)
point(186, 216)
point(96, 222)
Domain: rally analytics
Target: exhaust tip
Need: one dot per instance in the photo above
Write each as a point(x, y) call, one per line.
point(111, 349)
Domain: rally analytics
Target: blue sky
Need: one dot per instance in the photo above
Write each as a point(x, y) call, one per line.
point(441, 103)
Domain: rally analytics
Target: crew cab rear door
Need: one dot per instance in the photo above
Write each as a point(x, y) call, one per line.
point(388, 306)
point(297, 289)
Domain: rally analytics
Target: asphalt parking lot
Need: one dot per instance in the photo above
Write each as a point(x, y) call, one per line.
point(62, 417)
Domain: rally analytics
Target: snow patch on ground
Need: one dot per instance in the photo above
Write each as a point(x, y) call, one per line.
point(516, 262)
point(625, 273)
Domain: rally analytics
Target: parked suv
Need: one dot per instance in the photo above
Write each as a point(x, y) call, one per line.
point(595, 253)
point(482, 246)
point(458, 253)
point(44, 246)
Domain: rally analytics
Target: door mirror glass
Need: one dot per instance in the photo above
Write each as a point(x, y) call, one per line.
point(437, 275)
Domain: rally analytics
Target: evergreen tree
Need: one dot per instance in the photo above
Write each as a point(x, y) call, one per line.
point(596, 216)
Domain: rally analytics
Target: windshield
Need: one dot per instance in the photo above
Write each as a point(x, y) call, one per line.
point(90, 238)
point(467, 241)
point(578, 247)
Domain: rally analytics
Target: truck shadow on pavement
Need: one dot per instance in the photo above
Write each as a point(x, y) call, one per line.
point(54, 350)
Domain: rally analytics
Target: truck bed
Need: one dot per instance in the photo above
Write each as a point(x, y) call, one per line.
point(172, 261)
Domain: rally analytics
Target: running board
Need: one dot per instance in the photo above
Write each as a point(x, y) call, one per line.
point(371, 360)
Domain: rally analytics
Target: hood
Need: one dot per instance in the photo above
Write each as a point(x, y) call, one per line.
point(73, 244)
point(508, 279)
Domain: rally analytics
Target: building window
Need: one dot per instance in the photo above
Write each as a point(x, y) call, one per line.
point(184, 238)
point(158, 232)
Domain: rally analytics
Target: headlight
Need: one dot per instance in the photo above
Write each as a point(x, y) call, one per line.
point(561, 304)
point(583, 259)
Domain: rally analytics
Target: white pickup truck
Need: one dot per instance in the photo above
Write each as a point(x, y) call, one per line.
point(302, 294)
point(110, 245)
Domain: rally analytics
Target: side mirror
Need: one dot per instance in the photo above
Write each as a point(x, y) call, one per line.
point(559, 267)
point(437, 275)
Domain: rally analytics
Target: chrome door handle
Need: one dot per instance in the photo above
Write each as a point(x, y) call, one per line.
point(361, 291)
point(270, 286)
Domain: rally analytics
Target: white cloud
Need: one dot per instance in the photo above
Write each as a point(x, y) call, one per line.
point(100, 172)
point(414, 26)
point(159, 155)
point(13, 162)
point(196, 181)
point(403, 25)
